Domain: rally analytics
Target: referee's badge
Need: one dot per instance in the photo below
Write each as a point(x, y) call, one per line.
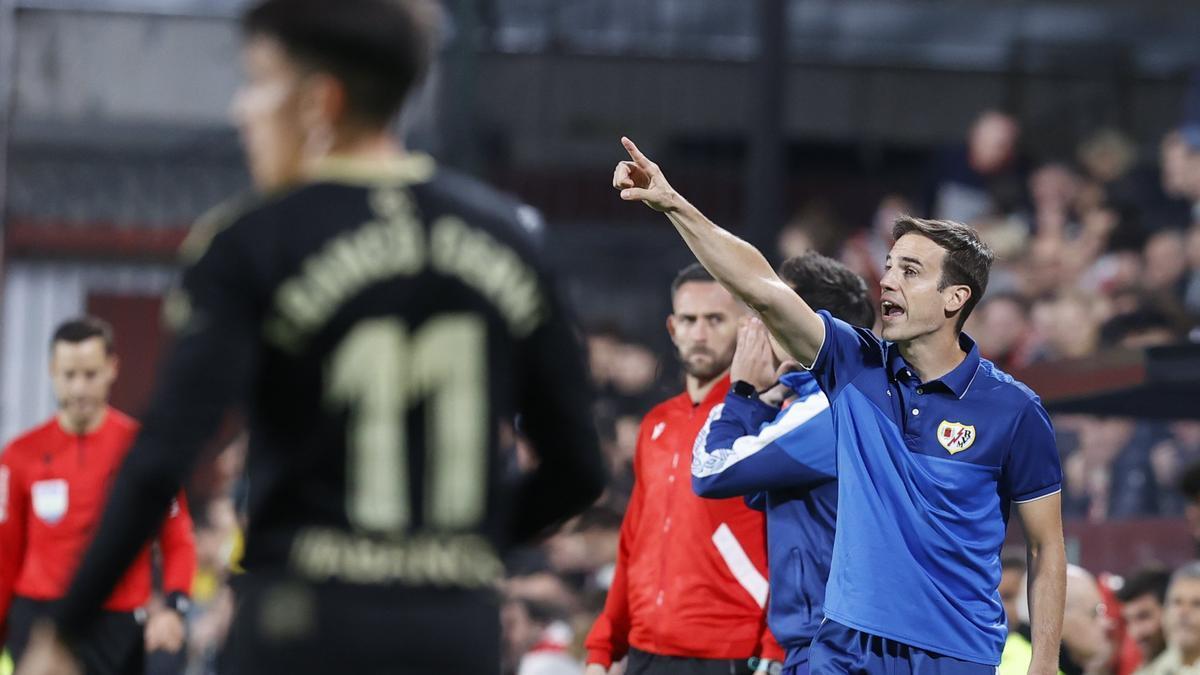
point(50, 500)
point(955, 436)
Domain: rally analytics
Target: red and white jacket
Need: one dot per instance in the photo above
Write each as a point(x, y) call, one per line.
point(53, 488)
point(691, 575)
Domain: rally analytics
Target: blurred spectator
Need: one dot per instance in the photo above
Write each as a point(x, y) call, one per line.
point(813, 227)
point(633, 371)
point(1126, 657)
point(1169, 457)
point(1003, 331)
point(1054, 189)
point(1109, 476)
point(587, 543)
point(1138, 329)
point(1018, 649)
point(1177, 170)
point(1166, 263)
point(1191, 294)
point(604, 342)
point(1107, 156)
point(537, 638)
point(1042, 268)
point(1086, 646)
point(1012, 586)
point(865, 252)
point(1181, 623)
point(1069, 324)
point(1142, 597)
point(981, 178)
point(1189, 485)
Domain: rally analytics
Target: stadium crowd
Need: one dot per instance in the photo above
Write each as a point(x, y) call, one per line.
point(1095, 252)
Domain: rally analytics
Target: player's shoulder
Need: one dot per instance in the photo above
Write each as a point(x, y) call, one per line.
point(28, 441)
point(122, 423)
point(998, 384)
point(251, 211)
point(665, 408)
point(223, 216)
point(481, 205)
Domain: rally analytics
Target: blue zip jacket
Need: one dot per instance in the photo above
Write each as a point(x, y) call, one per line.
point(784, 463)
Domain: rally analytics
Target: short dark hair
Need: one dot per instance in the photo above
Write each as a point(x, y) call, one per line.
point(693, 272)
point(1151, 580)
point(74, 331)
point(377, 49)
point(968, 258)
point(825, 283)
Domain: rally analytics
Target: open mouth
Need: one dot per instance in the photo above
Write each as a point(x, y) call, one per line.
point(890, 310)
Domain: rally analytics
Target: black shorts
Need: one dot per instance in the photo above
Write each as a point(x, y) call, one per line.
point(288, 626)
point(114, 645)
point(645, 663)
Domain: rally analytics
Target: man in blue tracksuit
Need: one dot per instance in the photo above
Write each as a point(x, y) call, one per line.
point(783, 461)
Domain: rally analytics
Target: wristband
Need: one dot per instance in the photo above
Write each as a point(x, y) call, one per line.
point(744, 389)
point(179, 602)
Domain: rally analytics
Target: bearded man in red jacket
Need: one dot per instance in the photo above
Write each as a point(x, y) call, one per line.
point(690, 588)
point(54, 483)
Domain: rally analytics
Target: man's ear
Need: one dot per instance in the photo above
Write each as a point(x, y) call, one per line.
point(671, 326)
point(322, 107)
point(958, 297)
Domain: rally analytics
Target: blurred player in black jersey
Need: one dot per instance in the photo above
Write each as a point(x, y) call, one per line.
point(376, 318)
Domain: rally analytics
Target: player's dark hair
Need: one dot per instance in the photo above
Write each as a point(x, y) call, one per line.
point(693, 272)
point(74, 331)
point(1152, 580)
point(377, 49)
point(968, 258)
point(827, 284)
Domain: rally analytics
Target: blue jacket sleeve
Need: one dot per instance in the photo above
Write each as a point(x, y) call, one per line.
point(743, 449)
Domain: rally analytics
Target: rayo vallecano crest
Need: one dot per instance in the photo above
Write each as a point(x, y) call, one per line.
point(955, 436)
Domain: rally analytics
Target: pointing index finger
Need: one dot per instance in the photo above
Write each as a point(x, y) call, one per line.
point(641, 160)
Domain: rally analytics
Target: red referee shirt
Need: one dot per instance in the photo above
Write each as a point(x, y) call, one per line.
point(691, 576)
point(53, 488)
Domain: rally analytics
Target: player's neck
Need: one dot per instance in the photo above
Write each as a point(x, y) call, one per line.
point(82, 427)
point(933, 355)
point(368, 146)
point(698, 389)
point(1189, 657)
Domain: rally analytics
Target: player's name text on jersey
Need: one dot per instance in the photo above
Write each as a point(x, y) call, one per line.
point(458, 560)
point(395, 245)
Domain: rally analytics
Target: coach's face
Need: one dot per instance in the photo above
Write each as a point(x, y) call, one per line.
point(267, 112)
point(82, 373)
point(703, 325)
point(911, 302)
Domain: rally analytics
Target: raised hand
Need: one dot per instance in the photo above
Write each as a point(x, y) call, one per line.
point(639, 179)
point(753, 361)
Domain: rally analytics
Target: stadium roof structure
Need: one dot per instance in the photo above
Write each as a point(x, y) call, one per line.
point(1157, 383)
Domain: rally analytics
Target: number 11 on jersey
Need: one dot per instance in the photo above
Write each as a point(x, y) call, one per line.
point(379, 372)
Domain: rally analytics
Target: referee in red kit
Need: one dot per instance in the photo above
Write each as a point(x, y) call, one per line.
point(690, 590)
point(54, 482)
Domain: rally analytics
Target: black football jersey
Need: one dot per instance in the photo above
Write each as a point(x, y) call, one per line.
point(379, 326)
